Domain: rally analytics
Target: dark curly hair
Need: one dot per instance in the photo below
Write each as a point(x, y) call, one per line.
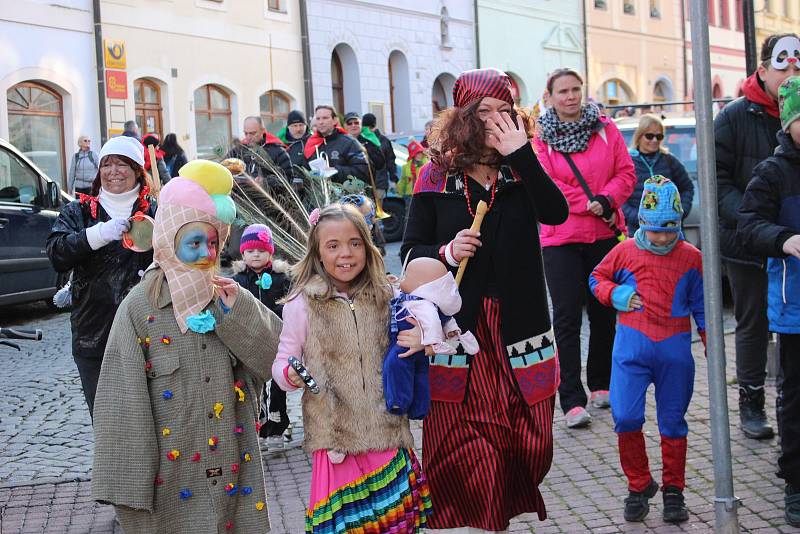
point(458, 138)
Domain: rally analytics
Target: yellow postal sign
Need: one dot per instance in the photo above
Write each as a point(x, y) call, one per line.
point(115, 54)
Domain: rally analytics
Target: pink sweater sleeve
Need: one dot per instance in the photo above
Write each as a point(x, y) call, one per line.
point(293, 339)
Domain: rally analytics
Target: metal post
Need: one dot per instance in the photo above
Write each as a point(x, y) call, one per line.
point(306, 47)
point(749, 26)
point(101, 76)
point(725, 504)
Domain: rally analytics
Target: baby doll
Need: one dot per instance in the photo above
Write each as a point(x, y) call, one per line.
point(429, 295)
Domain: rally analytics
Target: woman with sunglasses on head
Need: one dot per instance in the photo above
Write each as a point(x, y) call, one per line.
point(651, 158)
point(585, 155)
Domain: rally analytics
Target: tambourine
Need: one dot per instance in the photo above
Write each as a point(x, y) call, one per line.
point(139, 237)
point(311, 384)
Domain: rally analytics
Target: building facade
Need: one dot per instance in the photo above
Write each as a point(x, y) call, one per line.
point(635, 51)
point(726, 46)
point(48, 80)
point(200, 67)
point(398, 61)
point(550, 36)
point(775, 17)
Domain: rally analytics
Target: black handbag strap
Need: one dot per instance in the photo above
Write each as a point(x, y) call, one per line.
point(578, 175)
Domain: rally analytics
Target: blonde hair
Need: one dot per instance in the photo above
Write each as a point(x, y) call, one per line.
point(646, 122)
point(370, 282)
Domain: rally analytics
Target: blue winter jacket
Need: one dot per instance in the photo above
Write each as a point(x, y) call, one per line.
point(769, 215)
point(666, 165)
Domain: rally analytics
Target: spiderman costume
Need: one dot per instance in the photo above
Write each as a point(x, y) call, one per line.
point(653, 343)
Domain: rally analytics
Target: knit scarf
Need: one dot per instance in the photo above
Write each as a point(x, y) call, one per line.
point(644, 244)
point(753, 92)
point(568, 137)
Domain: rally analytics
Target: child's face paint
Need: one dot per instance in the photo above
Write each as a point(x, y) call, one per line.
point(342, 252)
point(661, 239)
point(197, 245)
point(256, 259)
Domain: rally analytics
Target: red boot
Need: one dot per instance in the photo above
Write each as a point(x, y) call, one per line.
point(673, 456)
point(633, 457)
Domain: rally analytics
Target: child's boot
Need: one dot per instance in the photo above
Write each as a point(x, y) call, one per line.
point(791, 502)
point(675, 510)
point(673, 456)
point(641, 486)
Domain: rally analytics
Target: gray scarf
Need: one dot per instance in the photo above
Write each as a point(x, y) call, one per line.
point(569, 137)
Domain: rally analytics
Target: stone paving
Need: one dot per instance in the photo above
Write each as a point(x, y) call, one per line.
point(46, 448)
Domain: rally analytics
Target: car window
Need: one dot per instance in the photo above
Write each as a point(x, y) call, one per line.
point(18, 182)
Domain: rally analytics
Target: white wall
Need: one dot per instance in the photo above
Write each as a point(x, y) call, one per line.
point(54, 45)
point(374, 29)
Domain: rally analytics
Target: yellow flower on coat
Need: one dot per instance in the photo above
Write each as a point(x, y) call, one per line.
point(166, 432)
point(218, 407)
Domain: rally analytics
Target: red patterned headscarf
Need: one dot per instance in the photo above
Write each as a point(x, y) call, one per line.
point(479, 83)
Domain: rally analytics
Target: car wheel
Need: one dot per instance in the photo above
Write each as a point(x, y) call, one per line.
point(61, 281)
point(394, 226)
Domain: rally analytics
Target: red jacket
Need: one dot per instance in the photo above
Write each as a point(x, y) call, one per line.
point(608, 170)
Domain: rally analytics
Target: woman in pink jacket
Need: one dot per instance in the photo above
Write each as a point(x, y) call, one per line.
point(573, 132)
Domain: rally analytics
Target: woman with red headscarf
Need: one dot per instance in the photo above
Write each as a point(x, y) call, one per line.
point(487, 441)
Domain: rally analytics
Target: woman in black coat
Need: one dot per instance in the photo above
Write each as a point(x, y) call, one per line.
point(86, 239)
point(487, 441)
point(174, 156)
point(650, 158)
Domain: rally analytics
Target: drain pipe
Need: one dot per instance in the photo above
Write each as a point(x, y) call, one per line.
point(586, 50)
point(306, 48)
point(477, 38)
point(101, 78)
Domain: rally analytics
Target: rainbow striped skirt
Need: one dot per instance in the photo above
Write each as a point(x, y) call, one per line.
point(368, 493)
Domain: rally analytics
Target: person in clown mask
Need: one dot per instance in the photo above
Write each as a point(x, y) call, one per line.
point(176, 446)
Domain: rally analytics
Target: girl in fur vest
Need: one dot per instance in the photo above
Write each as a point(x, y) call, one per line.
point(365, 476)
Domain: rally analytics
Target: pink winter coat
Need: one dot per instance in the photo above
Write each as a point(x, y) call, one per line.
point(608, 170)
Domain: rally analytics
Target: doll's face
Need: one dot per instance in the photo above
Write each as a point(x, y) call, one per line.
point(256, 259)
point(420, 271)
point(197, 245)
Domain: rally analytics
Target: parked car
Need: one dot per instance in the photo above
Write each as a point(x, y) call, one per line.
point(681, 140)
point(29, 204)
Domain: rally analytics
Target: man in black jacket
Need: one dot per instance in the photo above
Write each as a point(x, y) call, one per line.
point(390, 170)
point(294, 135)
point(744, 134)
point(342, 152)
point(258, 146)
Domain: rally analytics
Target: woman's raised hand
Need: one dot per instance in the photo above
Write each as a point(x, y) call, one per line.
point(505, 136)
point(465, 244)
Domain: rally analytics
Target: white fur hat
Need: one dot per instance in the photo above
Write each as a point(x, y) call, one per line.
point(123, 146)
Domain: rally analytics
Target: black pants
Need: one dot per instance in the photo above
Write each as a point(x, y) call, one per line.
point(749, 290)
point(274, 417)
point(567, 269)
point(89, 371)
point(789, 461)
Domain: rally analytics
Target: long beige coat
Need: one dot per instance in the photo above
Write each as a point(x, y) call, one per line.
point(162, 396)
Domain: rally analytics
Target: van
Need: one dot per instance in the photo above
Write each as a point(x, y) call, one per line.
point(29, 205)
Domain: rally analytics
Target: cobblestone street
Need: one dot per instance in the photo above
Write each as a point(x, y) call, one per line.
point(46, 448)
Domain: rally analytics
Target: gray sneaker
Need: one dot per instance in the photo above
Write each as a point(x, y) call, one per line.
point(600, 399)
point(578, 417)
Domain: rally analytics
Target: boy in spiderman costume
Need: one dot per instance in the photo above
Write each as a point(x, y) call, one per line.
point(655, 280)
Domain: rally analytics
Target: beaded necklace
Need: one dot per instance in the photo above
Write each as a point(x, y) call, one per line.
point(469, 198)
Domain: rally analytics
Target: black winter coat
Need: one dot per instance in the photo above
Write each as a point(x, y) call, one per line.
point(268, 297)
point(666, 165)
point(376, 162)
point(390, 170)
point(175, 162)
point(255, 168)
point(295, 149)
point(770, 211)
point(744, 135)
point(344, 154)
point(100, 278)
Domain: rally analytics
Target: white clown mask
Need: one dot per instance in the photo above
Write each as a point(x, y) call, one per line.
point(785, 52)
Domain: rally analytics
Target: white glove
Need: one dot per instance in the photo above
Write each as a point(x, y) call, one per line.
point(112, 230)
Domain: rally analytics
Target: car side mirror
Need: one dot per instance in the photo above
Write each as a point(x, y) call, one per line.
point(53, 194)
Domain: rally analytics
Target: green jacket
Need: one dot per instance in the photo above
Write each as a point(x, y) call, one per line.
point(405, 185)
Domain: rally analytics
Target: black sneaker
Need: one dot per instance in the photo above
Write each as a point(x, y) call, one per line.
point(751, 413)
point(791, 502)
point(674, 506)
point(636, 505)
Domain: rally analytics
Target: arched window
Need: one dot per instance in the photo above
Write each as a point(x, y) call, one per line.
point(399, 92)
point(614, 92)
point(337, 82)
point(662, 91)
point(147, 97)
point(36, 127)
point(212, 120)
point(274, 108)
point(442, 92)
